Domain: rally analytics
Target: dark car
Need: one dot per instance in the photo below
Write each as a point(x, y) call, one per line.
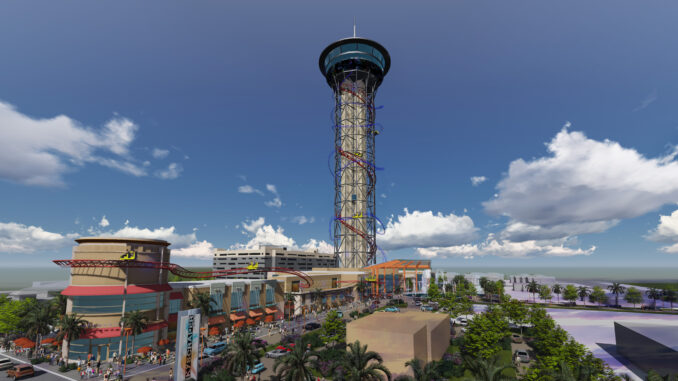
point(311, 326)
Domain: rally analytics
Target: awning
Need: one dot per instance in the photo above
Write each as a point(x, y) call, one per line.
point(176, 295)
point(237, 316)
point(255, 313)
point(250, 322)
point(268, 318)
point(214, 320)
point(271, 310)
point(239, 324)
point(103, 333)
point(114, 290)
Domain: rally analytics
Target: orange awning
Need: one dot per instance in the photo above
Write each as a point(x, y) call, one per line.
point(237, 316)
point(268, 318)
point(214, 331)
point(250, 322)
point(255, 313)
point(239, 324)
point(215, 320)
point(271, 310)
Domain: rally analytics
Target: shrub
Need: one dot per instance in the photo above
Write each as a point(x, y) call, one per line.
point(64, 368)
point(38, 360)
point(506, 343)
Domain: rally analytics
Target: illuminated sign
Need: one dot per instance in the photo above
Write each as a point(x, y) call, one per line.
point(188, 340)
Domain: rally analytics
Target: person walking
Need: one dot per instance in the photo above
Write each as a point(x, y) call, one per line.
point(171, 375)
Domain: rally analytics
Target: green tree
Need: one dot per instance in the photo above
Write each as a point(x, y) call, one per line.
point(583, 292)
point(557, 289)
point(10, 318)
point(38, 321)
point(533, 288)
point(59, 304)
point(653, 294)
point(670, 296)
point(334, 328)
point(484, 334)
point(598, 295)
point(136, 322)
point(71, 327)
point(548, 337)
point(296, 365)
point(433, 291)
point(570, 293)
point(633, 296)
point(652, 375)
point(488, 369)
point(359, 364)
point(241, 354)
point(516, 311)
point(545, 292)
point(617, 289)
point(202, 301)
point(429, 372)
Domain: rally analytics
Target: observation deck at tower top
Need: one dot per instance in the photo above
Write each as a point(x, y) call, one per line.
point(354, 48)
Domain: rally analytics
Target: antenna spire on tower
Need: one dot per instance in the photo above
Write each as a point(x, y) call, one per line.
point(354, 26)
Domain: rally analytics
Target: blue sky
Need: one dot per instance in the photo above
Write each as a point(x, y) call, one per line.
point(208, 124)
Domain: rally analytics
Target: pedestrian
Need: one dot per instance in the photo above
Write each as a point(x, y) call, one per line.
point(170, 375)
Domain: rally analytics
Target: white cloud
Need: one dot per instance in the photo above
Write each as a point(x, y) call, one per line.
point(268, 235)
point(584, 186)
point(276, 202)
point(199, 249)
point(254, 225)
point(168, 234)
point(40, 151)
point(666, 231)
point(508, 249)
point(20, 238)
point(383, 195)
point(247, 189)
point(160, 153)
point(303, 220)
point(425, 229)
point(172, 172)
point(104, 222)
point(648, 100)
point(477, 180)
point(320, 246)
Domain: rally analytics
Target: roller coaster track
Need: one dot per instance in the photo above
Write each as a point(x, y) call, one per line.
point(178, 270)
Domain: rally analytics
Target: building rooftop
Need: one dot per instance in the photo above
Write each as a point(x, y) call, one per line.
point(122, 240)
point(401, 322)
point(665, 334)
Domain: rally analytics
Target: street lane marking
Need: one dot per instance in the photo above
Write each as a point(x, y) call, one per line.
point(37, 367)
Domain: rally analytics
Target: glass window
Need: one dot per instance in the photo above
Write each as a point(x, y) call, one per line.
point(217, 302)
point(295, 286)
point(254, 296)
point(270, 295)
point(174, 306)
point(236, 299)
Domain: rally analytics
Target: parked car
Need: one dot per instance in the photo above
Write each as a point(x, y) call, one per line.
point(462, 321)
point(522, 356)
point(21, 370)
point(258, 368)
point(215, 349)
point(417, 303)
point(392, 309)
point(311, 326)
point(280, 352)
point(389, 296)
point(516, 338)
point(5, 364)
point(427, 308)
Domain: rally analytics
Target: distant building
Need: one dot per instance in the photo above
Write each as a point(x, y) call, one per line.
point(40, 290)
point(648, 346)
point(269, 256)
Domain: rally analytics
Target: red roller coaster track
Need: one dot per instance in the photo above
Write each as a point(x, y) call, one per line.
point(178, 270)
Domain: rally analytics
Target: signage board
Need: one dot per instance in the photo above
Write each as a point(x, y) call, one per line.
point(188, 345)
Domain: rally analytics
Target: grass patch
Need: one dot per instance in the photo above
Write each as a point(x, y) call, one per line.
point(659, 285)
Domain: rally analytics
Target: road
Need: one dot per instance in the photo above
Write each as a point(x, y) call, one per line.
point(40, 372)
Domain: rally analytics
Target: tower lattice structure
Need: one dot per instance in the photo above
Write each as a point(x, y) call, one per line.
point(354, 69)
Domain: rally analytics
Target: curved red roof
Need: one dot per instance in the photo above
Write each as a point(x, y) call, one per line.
point(114, 290)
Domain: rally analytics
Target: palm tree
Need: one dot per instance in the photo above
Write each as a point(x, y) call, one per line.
point(653, 294)
point(583, 292)
point(670, 296)
point(289, 299)
point(533, 287)
point(71, 327)
point(557, 289)
point(241, 354)
point(59, 304)
point(359, 364)
point(616, 289)
point(429, 372)
point(487, 369)
point(203, 301)
point(316, 296)
point(39, 321)
point(296, 365)
point(136, 322)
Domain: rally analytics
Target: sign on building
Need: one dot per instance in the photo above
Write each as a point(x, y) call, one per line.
point(188, 345)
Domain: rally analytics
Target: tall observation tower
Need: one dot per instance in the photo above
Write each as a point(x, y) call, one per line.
point(354, 68)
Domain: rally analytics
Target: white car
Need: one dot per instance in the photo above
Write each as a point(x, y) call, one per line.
point(5, 363)
point(461, 321)
point(522, 356)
